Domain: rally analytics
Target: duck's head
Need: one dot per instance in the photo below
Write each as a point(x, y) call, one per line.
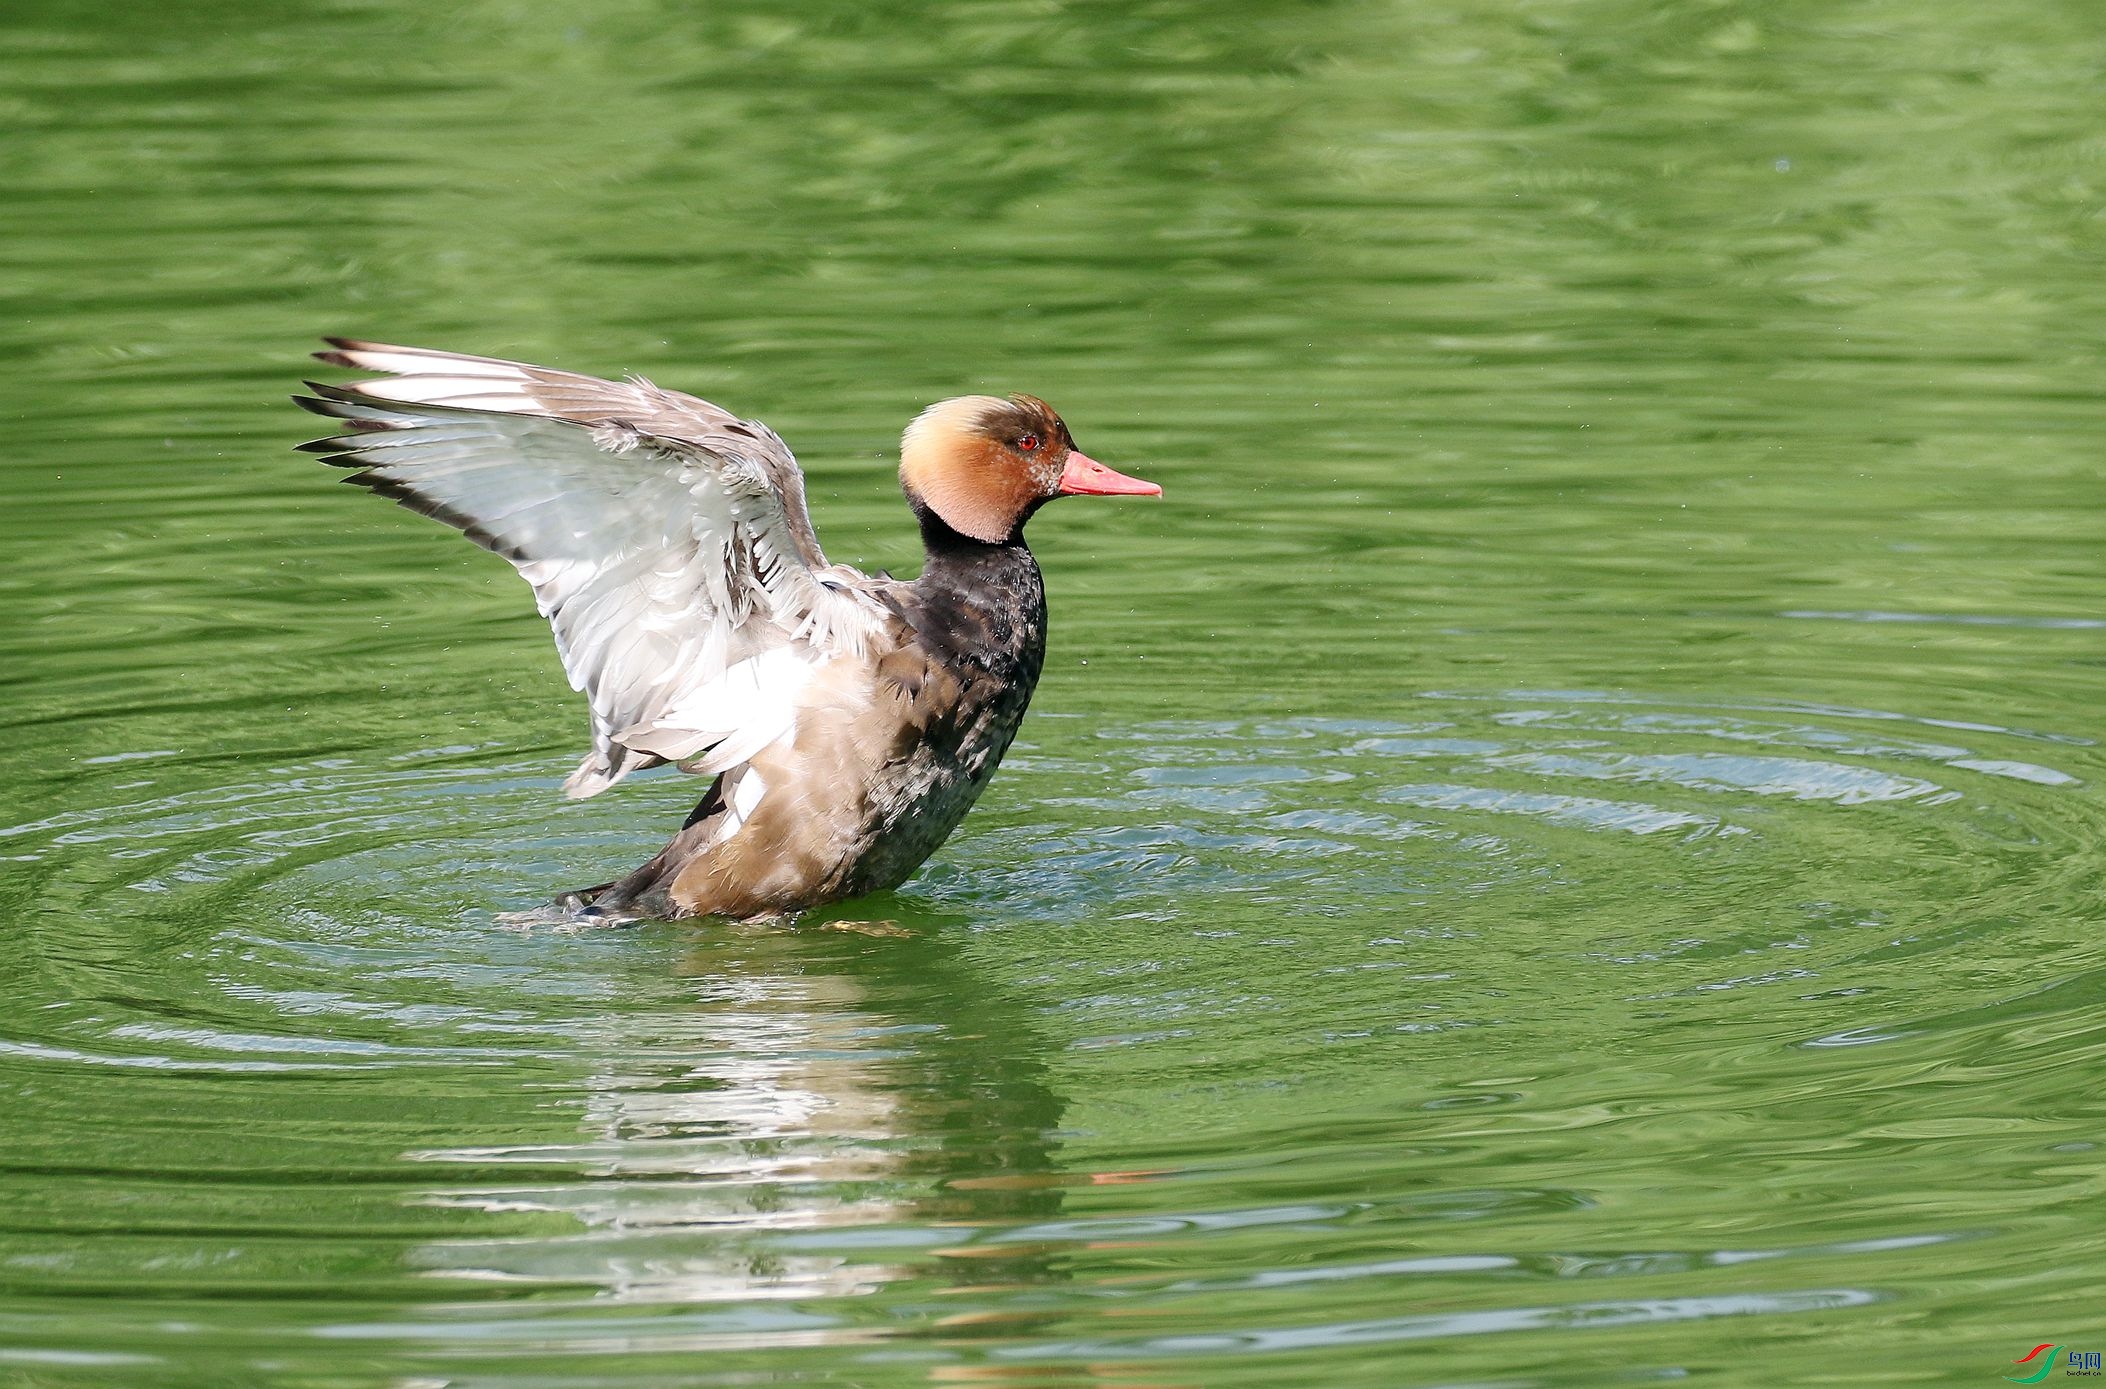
point(982, 465)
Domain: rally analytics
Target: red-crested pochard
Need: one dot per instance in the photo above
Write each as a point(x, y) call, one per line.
point(849, 721)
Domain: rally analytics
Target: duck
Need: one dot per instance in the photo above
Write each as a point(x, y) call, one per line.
point(848, 721)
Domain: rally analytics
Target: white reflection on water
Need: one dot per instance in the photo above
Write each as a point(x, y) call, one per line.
point(1579, 1315)
point(762, 1111)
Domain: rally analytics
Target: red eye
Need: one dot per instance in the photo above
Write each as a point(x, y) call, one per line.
point(1028, 442)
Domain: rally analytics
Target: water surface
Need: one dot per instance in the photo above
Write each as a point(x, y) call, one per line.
point(1566, 850)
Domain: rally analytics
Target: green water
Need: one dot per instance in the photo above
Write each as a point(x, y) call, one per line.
point(1566, 850)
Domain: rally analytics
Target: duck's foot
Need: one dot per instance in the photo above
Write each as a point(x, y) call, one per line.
point(579, 898)
point(585, 906)
point(889, 929)
point(537, 918)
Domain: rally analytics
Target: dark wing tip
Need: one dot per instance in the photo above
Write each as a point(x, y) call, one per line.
point(339, 451)
point(333, 358)
point(348, 408)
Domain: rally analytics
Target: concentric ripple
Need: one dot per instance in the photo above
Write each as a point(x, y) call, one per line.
point(931, 1129)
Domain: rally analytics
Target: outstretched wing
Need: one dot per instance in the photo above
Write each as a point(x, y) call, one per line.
point(666, 540)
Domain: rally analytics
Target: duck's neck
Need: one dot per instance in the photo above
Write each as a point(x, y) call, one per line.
point(979, 603)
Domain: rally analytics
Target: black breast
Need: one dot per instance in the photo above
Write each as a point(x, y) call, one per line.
point(980, 611)
point(979, 618)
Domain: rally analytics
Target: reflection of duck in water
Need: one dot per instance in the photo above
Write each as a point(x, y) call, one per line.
point(850, 721)
point(795, 1114)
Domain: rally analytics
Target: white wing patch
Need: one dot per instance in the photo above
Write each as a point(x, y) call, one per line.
point(665, 541)
point(744, 790)
point(734, 716)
